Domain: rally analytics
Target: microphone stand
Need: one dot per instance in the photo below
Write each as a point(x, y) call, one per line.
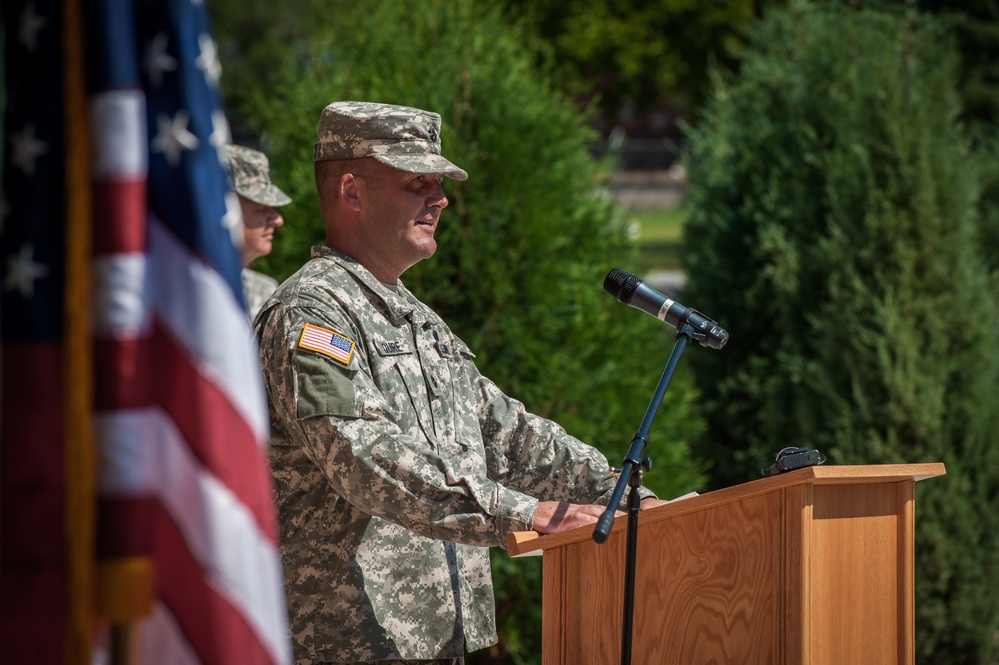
point(635, 462)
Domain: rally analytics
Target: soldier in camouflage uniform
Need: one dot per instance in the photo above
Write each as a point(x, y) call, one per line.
point(249, 177)
point(396, 463)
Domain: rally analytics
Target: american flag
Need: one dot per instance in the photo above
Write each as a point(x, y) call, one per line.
point(327, 342)
point(184, 526)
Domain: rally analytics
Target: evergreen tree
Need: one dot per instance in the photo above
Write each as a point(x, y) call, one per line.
point(523, 247)
point(974, 26)
point(834, 222)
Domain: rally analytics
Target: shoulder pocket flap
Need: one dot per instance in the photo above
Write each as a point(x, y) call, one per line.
point(323, 388)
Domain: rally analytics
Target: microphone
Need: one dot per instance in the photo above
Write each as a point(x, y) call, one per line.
point(634, 292)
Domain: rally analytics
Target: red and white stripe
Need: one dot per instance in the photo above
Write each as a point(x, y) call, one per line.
point(181, 421)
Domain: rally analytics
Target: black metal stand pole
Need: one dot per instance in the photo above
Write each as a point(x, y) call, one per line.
point(631, 476)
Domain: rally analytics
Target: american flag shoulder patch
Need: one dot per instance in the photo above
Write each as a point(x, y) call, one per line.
point(327, 342)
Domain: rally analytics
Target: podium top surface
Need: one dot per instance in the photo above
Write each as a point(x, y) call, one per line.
point(523, 542)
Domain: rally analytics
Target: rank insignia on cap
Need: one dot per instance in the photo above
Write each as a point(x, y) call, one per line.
point(327, 342)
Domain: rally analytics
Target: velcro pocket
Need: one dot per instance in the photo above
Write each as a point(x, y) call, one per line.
point(323, 387)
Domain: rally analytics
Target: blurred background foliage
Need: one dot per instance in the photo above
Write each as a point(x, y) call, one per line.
point(835, 220)
point(841, 222)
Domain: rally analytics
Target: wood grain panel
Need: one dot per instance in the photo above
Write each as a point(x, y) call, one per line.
point(712, 579)
point(854, 594)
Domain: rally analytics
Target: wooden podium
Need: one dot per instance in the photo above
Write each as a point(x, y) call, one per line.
point(810, 567)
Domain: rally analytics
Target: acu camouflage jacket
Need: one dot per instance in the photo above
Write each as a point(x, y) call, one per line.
point(396, 465)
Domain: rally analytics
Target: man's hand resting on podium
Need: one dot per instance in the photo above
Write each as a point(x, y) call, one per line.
point(555, 516)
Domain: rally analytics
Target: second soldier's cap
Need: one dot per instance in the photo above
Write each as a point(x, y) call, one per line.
point(249, 176)
point(402, 137)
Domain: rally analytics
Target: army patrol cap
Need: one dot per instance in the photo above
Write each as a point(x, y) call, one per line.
point(402, 137)
point(249, 176)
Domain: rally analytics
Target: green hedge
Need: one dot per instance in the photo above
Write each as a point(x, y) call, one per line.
point(834, 231)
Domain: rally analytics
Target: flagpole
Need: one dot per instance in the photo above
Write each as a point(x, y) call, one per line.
point(122, 644)
point(78, 384)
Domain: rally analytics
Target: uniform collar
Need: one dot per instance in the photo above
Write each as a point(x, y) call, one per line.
point(400, 303)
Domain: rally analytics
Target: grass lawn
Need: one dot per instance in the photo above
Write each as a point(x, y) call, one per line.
point(659, 238)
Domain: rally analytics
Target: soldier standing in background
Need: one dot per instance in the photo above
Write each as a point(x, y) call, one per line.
point(249, 177)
